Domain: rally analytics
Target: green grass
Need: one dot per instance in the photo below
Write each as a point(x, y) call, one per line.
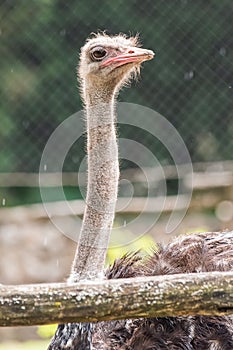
point(29, 345)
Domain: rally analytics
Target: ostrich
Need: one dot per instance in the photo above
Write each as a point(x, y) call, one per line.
point(106, 64)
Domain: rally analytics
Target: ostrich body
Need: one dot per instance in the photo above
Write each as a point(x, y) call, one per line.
point(106, 64)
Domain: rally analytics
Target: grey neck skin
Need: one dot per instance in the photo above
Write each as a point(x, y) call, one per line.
point(103, 174)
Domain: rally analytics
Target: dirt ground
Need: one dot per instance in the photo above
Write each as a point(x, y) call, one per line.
point(30, 345)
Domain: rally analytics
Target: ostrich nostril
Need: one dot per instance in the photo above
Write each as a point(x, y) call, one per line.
point(130, 51)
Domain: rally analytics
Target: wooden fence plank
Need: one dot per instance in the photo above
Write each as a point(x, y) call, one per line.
point(159, 296)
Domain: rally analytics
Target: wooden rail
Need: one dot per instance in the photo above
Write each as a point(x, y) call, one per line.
point(202, 201)
point(170, 295)
point(14, 179)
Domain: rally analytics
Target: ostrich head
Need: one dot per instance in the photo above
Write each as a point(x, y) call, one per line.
point(107, 62)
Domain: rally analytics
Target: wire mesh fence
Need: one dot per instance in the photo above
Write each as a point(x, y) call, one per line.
point(190, 82)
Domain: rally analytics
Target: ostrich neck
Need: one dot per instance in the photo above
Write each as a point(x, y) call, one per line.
point(103, 173)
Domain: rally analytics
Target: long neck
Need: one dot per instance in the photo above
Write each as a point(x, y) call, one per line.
point(103, 173)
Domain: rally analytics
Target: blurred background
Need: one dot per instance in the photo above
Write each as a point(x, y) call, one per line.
point(190, 83)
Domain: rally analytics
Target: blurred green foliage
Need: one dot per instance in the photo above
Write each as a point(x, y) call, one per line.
point(47, 331)
point(144, 244)
point(190, 81)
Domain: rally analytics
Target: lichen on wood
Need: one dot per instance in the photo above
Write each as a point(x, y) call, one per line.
point(159, 296)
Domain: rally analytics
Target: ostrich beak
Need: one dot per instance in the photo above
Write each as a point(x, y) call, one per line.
point(133, 54)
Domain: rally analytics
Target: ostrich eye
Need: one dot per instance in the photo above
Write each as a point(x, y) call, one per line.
point(98, 53)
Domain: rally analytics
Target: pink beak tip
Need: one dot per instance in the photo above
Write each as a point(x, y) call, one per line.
point(133, 55)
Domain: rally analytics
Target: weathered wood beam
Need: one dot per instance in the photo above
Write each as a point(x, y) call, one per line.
point(124, 205)
point(173, 295)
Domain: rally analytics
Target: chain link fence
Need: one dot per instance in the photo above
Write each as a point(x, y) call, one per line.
point(190, 81)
